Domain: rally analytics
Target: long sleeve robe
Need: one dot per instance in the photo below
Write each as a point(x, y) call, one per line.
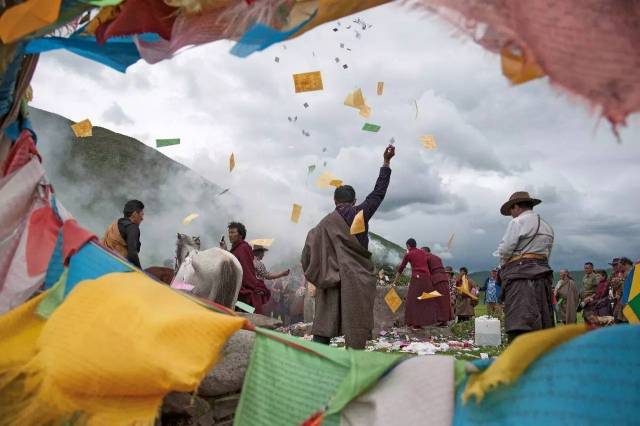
point(253, 290)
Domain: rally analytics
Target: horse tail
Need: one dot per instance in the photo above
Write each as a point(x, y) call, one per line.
point(227, 291)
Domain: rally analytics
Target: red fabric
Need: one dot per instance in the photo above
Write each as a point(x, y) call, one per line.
point(420, 312)
point(41, 240)
point(315, 419)
point(440, 280)
point(73, 237)
point(418, 260)
point(253, 290)
point(601, 290)
point(588, 47)
point(137, 17)
point(21, 153)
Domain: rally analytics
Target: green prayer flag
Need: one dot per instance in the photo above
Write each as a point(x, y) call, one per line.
point(160, 143)
point(103, 3)
point(370, 127)
point(245, 307)
point(54, 297)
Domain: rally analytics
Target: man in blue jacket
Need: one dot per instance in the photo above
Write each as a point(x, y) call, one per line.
point(491, 294)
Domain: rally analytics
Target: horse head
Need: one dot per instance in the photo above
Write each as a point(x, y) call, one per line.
point(185, 245)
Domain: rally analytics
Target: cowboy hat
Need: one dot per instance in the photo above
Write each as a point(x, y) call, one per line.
point(517, 197)
point(258, 247)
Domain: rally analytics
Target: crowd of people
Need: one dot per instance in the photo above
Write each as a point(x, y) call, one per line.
point(338, 269)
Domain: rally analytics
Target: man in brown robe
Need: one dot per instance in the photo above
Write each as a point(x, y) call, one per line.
point(440, 280)
point(340, 266)
point(566, 293)
point(465, 300)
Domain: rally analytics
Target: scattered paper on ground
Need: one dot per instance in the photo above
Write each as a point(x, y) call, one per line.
point(308, 81)
point(160, 143)
point(232, 162)
point(380, 88)
point(430, 295)
point(264, 242)
point(358, 225)
point(187, 220)
point(324, 180)
point(295, 213)
point(428, 142)
point(82, 129)
point(336, 183)
point(393, 300)
point(370, 127)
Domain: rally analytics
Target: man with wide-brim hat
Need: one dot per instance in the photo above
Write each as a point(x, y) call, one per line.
point(261, 270)
point(525, 275)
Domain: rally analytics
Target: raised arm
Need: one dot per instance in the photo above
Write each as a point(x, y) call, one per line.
point(375, 198)
point(401, 267)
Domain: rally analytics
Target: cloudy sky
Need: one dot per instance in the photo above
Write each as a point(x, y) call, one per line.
point(493, 139)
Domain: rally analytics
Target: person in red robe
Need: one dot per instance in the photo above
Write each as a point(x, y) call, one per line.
point(253, 291)
point(417, 313)
point(440, 280)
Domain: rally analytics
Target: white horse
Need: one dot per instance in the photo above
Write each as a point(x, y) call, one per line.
point(215, 274)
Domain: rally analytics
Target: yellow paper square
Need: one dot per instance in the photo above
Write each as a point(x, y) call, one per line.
point(187, 220)
point(82, 129)
point(355, 99)
point(336, 182)
point(295, 213)
point(358, 224)
point(380, 88)
point(428, 142)
point(365, 111)
point(264, 242)
point(324, 180)
point(430, 295)
point(232, 162)
point(393, 300)
point(308, 81)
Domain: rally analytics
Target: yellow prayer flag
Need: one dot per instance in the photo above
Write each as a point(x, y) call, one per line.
point(308, 81)
point(431, 295)
point(295, 213)
point(393, 300)
point(187, 220)
point(24, 18)
point(380, 88)
point(450, 242)
point(82, 129)
point(358, 225)
point(518, 68)
point(428, 142)
point(336, 182)
point(232, 162)
point(264, 242)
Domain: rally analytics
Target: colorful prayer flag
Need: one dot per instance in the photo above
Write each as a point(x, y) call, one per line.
point(308, 81)
point(161, 143)
point(295, 213)
point(631, 296)
point(393, 300)
point(380, 88)
point(431, 295)
point(428, 142)
point(358, 225)
point(370, 127)
point(82, 129)
point(232, 162)
point(187, 220)
point(24, 18)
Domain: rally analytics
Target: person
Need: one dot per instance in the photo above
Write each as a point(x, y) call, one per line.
point(340, 266)
point(440, 280)
point(453, 293)
point(253, 291)
point(417, 313)
point(492, 294)
point(566, 293)
point(621, 267)
point(123, 235)
point(261, 270)
point(598, 305)
point(465, 302)
point(525, 275)
point(590, 281)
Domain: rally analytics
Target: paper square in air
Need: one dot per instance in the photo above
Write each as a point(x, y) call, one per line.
point(308, 81)
point(232, 162)
point(358, 226)
point(393, 300)
point(324, 180)
point(190, 218)
point(370, 127)
point(295, 213)
point(431, 295)
point(428, 142)
point(336, 183)
point(160, 143)
point(380, 88)
point(82, 129)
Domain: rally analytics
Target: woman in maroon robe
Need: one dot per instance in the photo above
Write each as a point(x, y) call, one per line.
point(418, 313)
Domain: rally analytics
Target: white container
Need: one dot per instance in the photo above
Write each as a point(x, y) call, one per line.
point(487, 332)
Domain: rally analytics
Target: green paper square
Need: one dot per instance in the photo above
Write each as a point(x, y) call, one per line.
point(160, 143)
point(370, 127)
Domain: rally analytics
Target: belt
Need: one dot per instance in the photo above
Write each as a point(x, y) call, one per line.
point(527, 256)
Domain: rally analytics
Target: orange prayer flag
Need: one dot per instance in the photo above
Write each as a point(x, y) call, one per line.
point(308, 81)
point(295, 213)
point(358, 224)
point(82, 129)
point(29, 16)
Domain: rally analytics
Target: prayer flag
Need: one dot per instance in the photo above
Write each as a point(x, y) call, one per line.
point(295, 213)
point(450, 242)
point(82, 129)
point(370, 127)
point(428, 142)
point(160, 143)
point(380, 88)
point(631, 296)
point(308, 81)
point(232, 162)
point(336, 182)
point(393, 300)
point(187, 220)
point(431, 295)
point(264, 242)
point(358, 224)
point(24, 18)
